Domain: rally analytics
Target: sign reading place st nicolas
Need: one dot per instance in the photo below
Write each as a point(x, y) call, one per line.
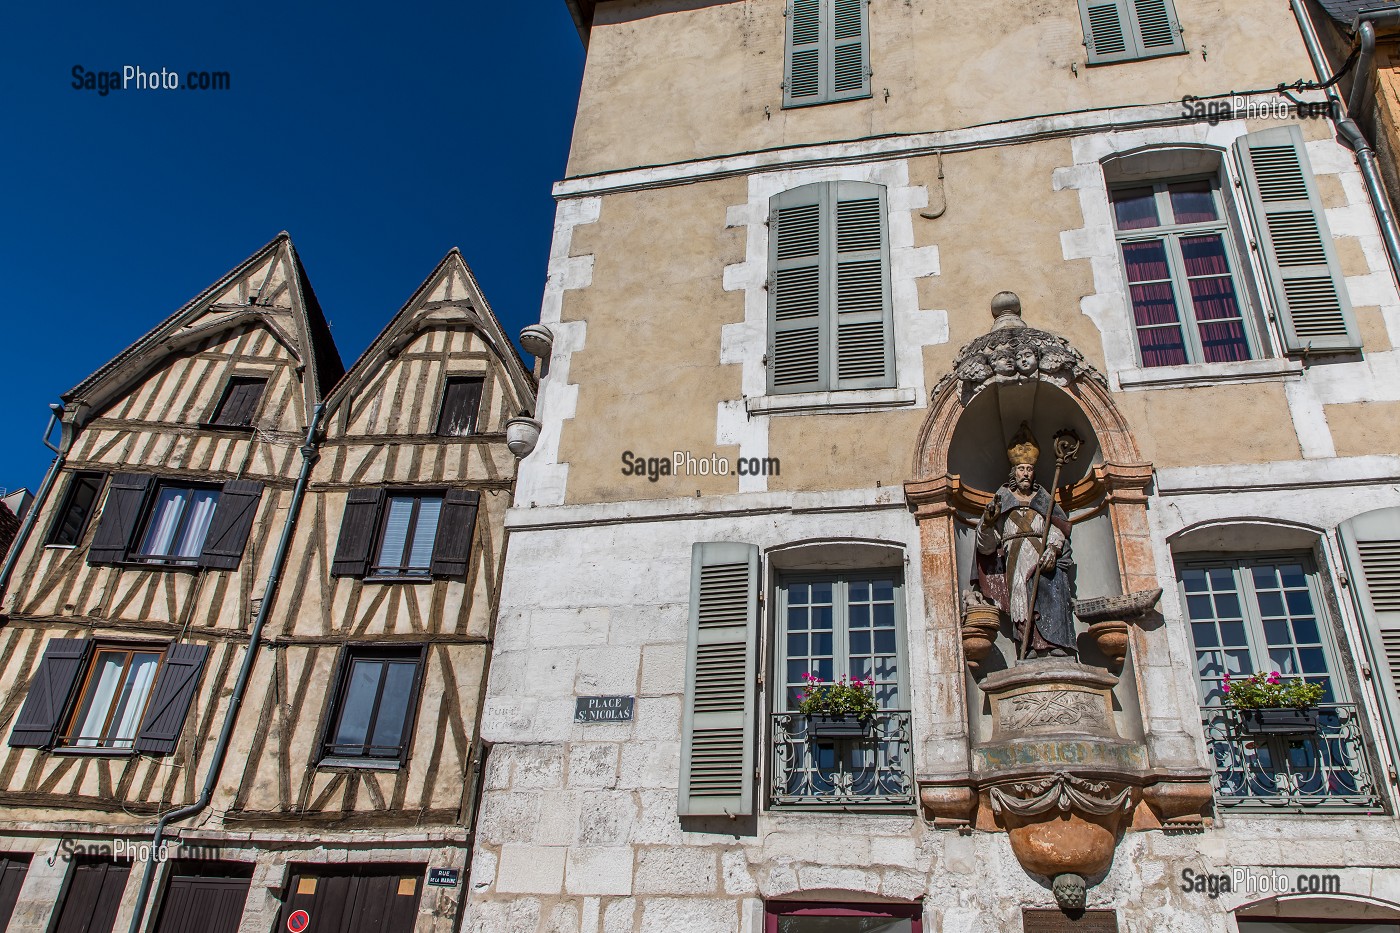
point(603, 709)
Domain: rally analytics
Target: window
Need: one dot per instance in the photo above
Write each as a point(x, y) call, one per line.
point(843, 918)
point(72, 518)
point(833, 627)
point(109, 696)
point(461, 398)
point(375, 699)
point(1262, 614)
point(240, 402)
point(1178, 254)
point(406, 534)
point(113, 697)
point(178, 523)
point(829, 318)
point(1125, 30)
point(828, 52)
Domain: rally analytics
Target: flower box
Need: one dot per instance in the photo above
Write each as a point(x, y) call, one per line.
point(837, 727)
point(1279, 721)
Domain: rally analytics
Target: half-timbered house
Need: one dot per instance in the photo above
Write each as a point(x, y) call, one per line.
point(247, 635)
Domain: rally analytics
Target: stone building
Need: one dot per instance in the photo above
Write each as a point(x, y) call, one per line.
point(776, 424)
point(249, 628)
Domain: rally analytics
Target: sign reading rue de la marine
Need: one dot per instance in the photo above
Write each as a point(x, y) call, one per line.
point(603, 709)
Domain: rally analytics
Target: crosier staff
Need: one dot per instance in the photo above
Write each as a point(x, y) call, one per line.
point(1067, 445)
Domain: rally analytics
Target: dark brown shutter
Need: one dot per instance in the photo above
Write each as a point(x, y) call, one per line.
point(357, 529)
point(93, 898)
point(170, 700)
point(233, 519)
point(42, 714)
point(461, 398)
point(203, 904)
point(121, 516)
point(240, 401)
point(453, 546)
point(12, 871)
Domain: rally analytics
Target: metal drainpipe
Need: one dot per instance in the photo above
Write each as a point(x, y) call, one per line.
point(309, 453)
point(32, 516)
point(1365, 155)
point(1365, 28)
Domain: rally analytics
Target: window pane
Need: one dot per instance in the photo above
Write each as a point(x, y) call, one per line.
point(421, 554)
point(1155, 309)
point(391, 549)
point(131, 703)
point(358, 705)
point(1213, 299)
point(102, 690)
point(393, 707)
point(190, 543)
point(1135, 208)
point(1193, 202)
point(82, 494)
point(165, 521)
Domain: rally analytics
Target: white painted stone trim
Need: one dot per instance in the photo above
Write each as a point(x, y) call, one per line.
point(832, 403)
point(542, 478)
point(742, 421)
point(1321, 474)
point(1165, 377)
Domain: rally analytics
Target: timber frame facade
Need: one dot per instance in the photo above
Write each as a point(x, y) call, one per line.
point(226, 457)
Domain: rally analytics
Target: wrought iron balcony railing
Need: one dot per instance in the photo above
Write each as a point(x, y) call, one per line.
point(871, 770)
point(1325, 769)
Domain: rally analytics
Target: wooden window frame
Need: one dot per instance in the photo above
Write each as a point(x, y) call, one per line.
point(447, 382)
point(251, 424)
point(136, 556)
point(56, 524)
point(335, 705)
point(401, 573)
point(66, 740)
point(1171, 235)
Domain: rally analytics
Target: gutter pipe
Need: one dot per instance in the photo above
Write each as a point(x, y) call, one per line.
point(32, 516)
point(1365, 28)
point(1347, 127)
point(309, 454)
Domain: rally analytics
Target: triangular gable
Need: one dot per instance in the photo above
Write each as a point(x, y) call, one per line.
point(270, 287)
point(450, 293)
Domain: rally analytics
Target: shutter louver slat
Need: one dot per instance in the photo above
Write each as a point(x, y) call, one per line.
point(848, 67)
point(863, 339)
point(797, 303)
point(718, 733)
point(803, 84)
point(1371, 548)
point(1295, 243)
point(1106, 33)
point(1155, 29)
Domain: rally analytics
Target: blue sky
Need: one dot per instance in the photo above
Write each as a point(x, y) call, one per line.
point(378, 135)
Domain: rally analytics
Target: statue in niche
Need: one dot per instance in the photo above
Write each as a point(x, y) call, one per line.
point(1020, 560)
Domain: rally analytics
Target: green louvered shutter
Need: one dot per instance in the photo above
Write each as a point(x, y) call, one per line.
point(718, 730)
point(802, 82)
point(1295, 244)
point(864, 338)
point(797, 355)
point(1371, 543)
point(1155, 27)
point(850, 49)
point(1107, 31)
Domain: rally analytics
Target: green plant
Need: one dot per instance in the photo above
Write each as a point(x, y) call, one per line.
point(1271, 691)
point(842, 698)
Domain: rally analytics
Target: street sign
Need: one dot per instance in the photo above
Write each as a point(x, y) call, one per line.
point(444, 877)
point(298, 921)
point(603, 709)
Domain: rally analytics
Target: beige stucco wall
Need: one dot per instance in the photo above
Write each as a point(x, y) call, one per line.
point(1365, 428)
point(669, 80)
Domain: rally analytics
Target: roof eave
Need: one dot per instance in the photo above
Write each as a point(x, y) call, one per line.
point(582, 12)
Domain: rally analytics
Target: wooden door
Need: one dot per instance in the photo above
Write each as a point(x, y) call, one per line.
point(12, 872)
